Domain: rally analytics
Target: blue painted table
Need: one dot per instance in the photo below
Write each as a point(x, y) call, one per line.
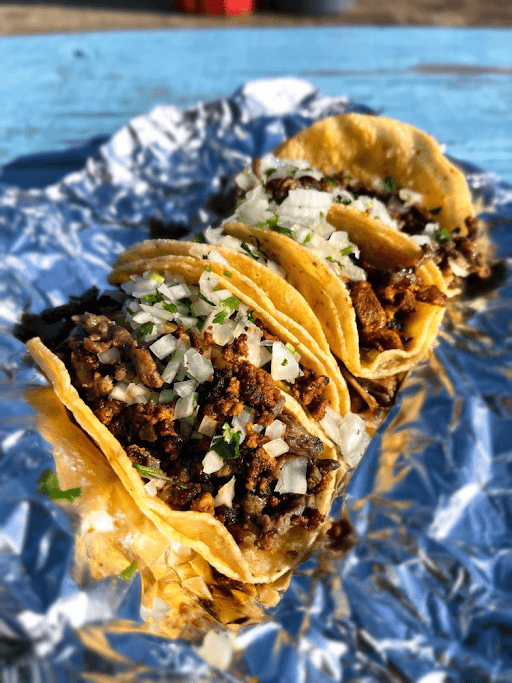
point(56, 91)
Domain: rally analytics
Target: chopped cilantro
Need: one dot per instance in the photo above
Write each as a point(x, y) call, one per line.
point(49, 484)
point(221, 317)
point(442, 235)
point(250, 317)
point(348, 178)
point(208, 269)
point(285, 362)
point(232, 302)
point(129, 571)
point(203, 298)
point(269, 171)
point(152, 298)
point(340, 199)
point(144, 330)
point(346, 250)
point(247, 249)
point(333, 260)
point(149, 472)
point(199, 238)
point(278, 228)
point(308, 238)
point(227, 273)
point(388, 184)
point(322, 214)
point(332, 182)
point(156, 276)
point(290, 347)
point(130, 311)
point(171, 308)
point(227, 446)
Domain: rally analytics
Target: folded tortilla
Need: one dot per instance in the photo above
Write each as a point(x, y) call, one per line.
point(250, 562)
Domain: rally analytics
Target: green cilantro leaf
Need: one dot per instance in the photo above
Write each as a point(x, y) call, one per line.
point(227, 273)
point(247, 249)
point(227, 446)
point(172, 308)
point(144, 330)
point(129, 571)
point(202, 296)
point(49, 484)
point(221, 317)
point(269, 171)
point(285, 362)
point(333, 260)
point(290, 347)
point(232, 302)
point(388, 184)
point(442, 235)
point(156, 276)
point(340, 199)
point(346, 250)
point(332, 182)
point(199, 238)
point(149, 472)
point(308, 238)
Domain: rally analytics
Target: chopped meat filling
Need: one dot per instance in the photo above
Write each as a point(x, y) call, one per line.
point(384, 301)
point(153, 437)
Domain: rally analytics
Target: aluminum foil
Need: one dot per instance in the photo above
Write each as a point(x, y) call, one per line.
point(424, 594)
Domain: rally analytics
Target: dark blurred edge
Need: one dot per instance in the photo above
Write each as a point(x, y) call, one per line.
point(35, 171)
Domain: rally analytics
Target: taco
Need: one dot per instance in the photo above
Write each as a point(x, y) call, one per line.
point(371, 224)
point(198, 399)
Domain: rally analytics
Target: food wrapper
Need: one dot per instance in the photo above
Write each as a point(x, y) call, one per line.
point(420, 590)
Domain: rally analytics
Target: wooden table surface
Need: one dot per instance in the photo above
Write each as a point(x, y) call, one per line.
point(59, 90)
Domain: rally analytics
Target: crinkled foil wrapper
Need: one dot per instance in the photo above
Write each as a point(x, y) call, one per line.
point(424, 594)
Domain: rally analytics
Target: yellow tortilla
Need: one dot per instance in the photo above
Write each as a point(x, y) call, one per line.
point(276, 321)
point(198, 531)
point(329, 298)
point(372, 148)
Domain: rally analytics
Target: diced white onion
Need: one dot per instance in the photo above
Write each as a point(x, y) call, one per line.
point(164, 346)
point(138, 392)
point(184, 406)
point(284, 364)
point(276, 447)
point(348, 432)
point(197, 366)
point(144, 287)
point(226, 494)
point(410, 197)
point(185, 388)
point(459, 269)
point(293, 477)
point(216, 256)
point(153, 486)
point(208, 426)
point(212, 462)
point(213, 235)
point(275, 430)
point(143, 317)
point(181, 291)
point(172, 367)
point(120, 394)
point(109, 356)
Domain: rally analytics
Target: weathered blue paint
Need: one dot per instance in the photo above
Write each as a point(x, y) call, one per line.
point(59, 90)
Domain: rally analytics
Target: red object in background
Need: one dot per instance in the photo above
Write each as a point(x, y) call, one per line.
point(214, 6)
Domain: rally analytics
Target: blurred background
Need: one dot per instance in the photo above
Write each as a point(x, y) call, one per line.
point(32, 16)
